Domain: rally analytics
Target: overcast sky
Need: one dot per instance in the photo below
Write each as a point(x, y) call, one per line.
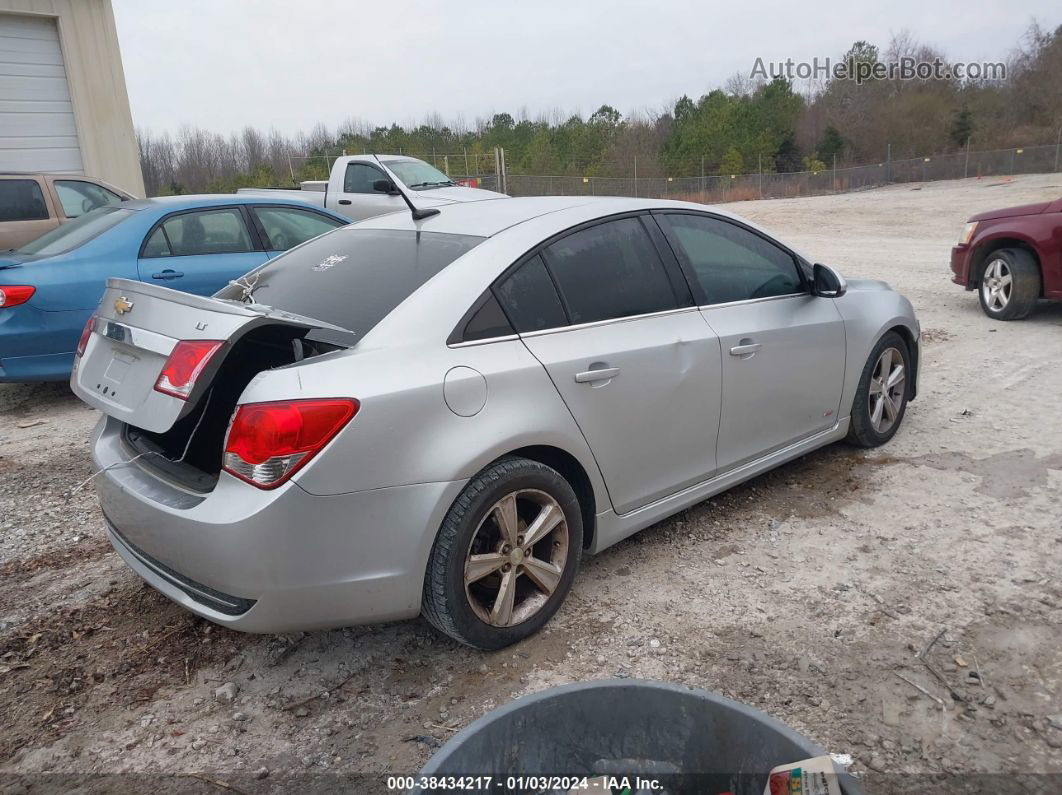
point(223, 64)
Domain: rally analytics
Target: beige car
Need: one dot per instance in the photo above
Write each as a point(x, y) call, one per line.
point(32, 204)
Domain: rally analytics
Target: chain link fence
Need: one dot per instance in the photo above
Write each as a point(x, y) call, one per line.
point(488, 170)
point(738, 187)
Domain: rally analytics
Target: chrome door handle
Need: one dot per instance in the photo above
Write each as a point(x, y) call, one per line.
point(746, 349)
point(590, 376)
point(167, 274)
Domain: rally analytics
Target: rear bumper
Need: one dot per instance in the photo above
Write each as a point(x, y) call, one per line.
point(37, 345)
point(23, 369)
point(271, 561)
point(960, 265)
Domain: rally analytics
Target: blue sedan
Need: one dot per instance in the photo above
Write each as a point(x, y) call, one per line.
point(50, 287)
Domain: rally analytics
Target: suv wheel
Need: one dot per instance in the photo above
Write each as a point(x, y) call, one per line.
point(1010, 284)
point(505, 556)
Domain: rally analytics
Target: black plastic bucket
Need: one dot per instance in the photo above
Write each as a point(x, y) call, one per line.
point(689, 740)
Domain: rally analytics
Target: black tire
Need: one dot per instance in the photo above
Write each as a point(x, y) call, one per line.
point(1024, 288)
point(445, 602)
point(861, 431)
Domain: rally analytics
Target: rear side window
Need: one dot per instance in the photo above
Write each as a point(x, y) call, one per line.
point(731, 263)
point(355, 277)
point(487, 322)
point(608, 271)
point(205, 232)
point(22, 200)
point(530, 299)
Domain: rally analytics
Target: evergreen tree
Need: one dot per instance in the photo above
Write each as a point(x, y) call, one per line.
point(962, 127)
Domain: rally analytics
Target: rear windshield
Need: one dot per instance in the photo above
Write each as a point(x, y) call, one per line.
point(352, 278)
point(76, 232)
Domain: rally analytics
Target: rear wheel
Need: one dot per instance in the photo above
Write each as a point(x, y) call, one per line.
point(1010, 284)
point(505, 556)
point(881, 397)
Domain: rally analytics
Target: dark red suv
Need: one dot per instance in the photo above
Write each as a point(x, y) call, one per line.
point(1012, 257)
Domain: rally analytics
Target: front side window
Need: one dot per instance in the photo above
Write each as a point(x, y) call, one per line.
point(610, 270)
point(76, 233)
point(201, 232)
point(359, 178)
point(22, 200)
point(355, 277)
point(286, 227)
point(79, 197)
point(731, 263)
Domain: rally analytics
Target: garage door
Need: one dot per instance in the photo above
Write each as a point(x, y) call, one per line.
point(37, 131)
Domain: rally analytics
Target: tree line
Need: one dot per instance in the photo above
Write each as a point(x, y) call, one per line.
point(746, 126)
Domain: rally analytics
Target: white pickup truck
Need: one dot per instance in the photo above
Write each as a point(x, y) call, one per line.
point(361, 186)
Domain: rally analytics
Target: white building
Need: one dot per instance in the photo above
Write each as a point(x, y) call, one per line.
point(63, 102)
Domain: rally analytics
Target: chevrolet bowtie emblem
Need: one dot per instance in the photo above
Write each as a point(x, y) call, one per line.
point(123, 305)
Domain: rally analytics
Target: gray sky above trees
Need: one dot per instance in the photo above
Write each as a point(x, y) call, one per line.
point(224, 64)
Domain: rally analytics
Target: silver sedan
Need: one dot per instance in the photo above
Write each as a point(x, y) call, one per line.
point(440, 415)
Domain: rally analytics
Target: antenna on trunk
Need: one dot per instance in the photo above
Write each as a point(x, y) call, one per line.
point(418, 214)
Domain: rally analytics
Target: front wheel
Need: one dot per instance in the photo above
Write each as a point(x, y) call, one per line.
point(505, 556)
point(881, 397)
point(1010, 284)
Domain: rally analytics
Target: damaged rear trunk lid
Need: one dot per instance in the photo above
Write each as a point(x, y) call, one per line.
point(139, 326)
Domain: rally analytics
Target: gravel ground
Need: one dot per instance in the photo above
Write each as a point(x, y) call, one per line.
point(805, 593)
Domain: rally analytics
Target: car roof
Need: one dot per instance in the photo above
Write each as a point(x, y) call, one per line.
point(489, 217)
point(171, 203)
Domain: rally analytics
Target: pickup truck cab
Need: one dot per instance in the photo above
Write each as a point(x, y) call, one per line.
point(32, 204)
point(363, 186)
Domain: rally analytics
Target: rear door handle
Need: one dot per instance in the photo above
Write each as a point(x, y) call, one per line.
point(590, 376)
point(168, 274)
point(344, 201)
point(745, 349)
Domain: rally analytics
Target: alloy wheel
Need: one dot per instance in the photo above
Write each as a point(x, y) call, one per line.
point(516, 558)
point(887, 390)
point(996, 285)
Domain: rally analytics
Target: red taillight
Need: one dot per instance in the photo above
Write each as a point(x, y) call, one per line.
point(185, 365)
point(268, 442)
point(13, 295)
point(83, 342)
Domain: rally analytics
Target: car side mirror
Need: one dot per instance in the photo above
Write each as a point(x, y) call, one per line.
point(827, 283)
point(385, 186)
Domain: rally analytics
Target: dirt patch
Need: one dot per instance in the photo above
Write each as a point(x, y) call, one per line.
point(118, 649)
point(16, 570)
point(1005, 475)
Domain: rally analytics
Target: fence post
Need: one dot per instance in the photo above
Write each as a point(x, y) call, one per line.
point(636, 175)
point(497, 169)
point(504, 171)
point(888, 164)
point(702, 180)
point(759, 168)
point(835, 171)
point(1058, 141)
point(966, 165)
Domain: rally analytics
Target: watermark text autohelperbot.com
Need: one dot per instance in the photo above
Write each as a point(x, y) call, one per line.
point(861, 71)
